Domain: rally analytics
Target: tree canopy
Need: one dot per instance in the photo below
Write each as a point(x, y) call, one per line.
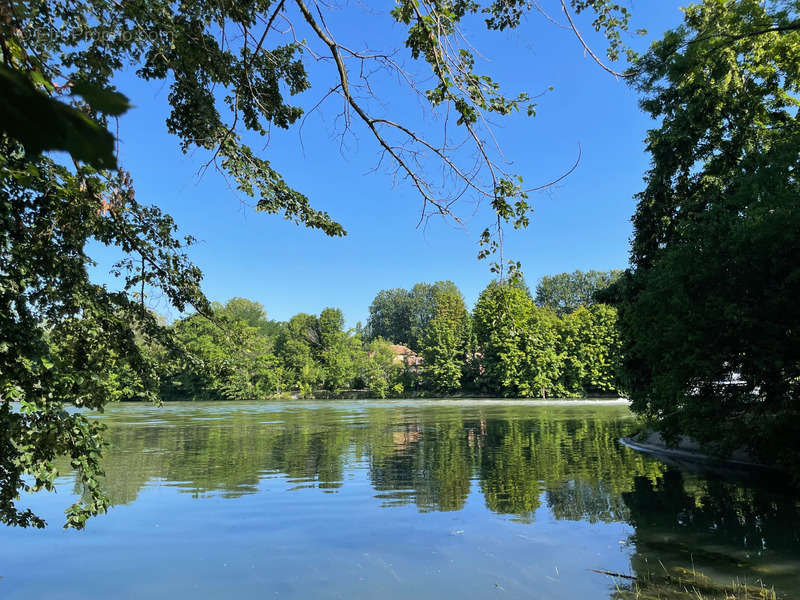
point(446, 341)
point(239, 70)
point(403, 315)
point(566, 292)
point(491, 351)
point(708, 311)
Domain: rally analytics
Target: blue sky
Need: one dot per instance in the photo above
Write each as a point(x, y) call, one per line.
point(582, 223)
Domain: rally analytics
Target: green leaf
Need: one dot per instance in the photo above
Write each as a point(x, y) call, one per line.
point(104, 100)
point(41, 123)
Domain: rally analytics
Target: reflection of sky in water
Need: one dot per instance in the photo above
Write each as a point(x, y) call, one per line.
point(392, 500)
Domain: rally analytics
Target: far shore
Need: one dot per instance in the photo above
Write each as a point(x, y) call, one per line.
point(454, 400)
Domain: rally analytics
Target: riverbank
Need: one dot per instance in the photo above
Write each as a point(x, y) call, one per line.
point(462, 399)
point(688, 454)
point(370, 395)
point(476, 401)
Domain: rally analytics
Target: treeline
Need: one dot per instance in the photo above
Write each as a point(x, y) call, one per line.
point(419, 341)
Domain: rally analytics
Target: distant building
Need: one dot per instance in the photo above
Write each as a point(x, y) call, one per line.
point(405, 355)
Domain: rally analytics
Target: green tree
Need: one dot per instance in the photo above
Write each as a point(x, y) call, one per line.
point(195, 374)
point(423, 304)
point(389, 316)
point(316, 352)
point(221, 360)
point(295, 347)
point(402, 316)
point(444, 342)
point(566, 292)
point(380, 370)
point(250, 312)
point(517, 342)
point(712, 292)
point(590, 345)
point(606, 356)
point(339, 353)
point(63, 338)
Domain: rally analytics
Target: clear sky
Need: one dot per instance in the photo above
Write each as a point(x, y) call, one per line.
point(582, 223)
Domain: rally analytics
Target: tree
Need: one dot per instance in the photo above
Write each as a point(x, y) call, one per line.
point(566, 292)
point(339, 352)
point(590, 345)
point(250, 312)
point(424, 301)
point(444, 341)
point(402, 316)
point(606, 355)
point(228, 78)
point(330, 324)
point(224, 359)
point(389, 317)
point(316, 351)
point(295, 349)
point(574, 332)
point(708, 310)
point(517, 343)
point(63, 338)
point(380, 371)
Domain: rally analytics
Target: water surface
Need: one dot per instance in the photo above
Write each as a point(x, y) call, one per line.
point(391, 499)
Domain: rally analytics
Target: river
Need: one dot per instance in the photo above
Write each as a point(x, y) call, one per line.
point(392, 499)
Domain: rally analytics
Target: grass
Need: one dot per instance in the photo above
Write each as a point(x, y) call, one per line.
point(679, 583)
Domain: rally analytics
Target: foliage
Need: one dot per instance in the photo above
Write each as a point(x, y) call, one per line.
point(293, 348)
point(251, 313)
point(40, 122)
point(64, 338)
point(402, 316)
point(444, 343)
point(312, 354)
point(566, 292)
point(316, 352)
point(222, 359)
point(525, 350)
point(709, 311)
point(381, 373)
point(517, 341)
point(389, 316)
point(228, 80)
point(590, 345)
point(339, 353)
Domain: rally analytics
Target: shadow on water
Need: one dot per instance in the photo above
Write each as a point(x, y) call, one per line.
point(722, 529)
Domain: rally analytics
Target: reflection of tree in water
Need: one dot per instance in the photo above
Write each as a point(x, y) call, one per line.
point(722, 529)
point(228, 456)
point(577, 500)
point(572, 460)
point(428, 456)
point(508, 474)
point(430, 463)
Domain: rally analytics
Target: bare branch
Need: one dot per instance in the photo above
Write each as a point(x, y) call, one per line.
point(561, 177)
point(419, 183)
point(587, 48)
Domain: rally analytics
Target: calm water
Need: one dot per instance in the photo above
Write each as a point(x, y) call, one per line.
point(390, 500)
